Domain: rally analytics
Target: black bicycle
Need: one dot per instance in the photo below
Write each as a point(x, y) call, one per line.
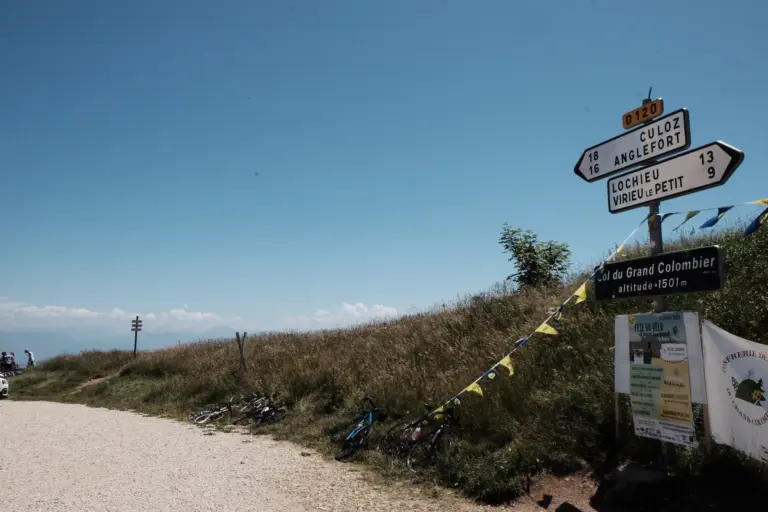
point(428, 444)
point(401, 435)
point(361, 431)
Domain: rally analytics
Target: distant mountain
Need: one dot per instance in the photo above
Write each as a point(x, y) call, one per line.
point(49, 344)
point(42, 344)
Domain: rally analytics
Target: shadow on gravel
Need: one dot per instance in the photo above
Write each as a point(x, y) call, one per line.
point(679, 493)
point(567, 507)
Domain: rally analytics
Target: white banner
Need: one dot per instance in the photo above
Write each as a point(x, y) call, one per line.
point(736, 376)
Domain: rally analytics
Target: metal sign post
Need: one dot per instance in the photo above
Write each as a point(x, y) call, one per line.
point(657, 247)
point(135, 327)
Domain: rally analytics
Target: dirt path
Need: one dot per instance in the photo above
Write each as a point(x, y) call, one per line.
point(72, 457)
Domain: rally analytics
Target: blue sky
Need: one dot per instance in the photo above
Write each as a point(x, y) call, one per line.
point(392, 140)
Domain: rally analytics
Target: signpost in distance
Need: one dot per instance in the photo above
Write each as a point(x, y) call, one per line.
point(643, 113)
point(135, 327)
point(698, 169)
point(666, 135)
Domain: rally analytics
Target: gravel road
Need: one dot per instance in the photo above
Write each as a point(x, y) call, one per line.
point(72, 457)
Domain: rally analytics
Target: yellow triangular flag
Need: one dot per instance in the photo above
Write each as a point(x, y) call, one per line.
point(581, 293)
point(688, 217)
point(507, 363)
point(761, 201)
point(546, 329)
point(475, 388)
point(440, 409)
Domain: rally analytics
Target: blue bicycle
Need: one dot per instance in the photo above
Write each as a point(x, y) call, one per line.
point(362, 431)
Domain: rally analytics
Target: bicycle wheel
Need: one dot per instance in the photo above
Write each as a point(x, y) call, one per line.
point(195, 415)
point(203, 417)
point(217, 415)
point(351, 446)
point(442, 448)
point(420, 454)
point(274, 415)
point(397, 437)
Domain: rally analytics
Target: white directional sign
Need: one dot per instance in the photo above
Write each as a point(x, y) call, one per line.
point(666, 135)
point(698, 169)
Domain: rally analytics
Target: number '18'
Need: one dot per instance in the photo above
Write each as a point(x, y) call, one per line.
point(595, 168)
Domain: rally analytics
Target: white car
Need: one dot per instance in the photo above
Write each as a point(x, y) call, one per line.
point(3, 388)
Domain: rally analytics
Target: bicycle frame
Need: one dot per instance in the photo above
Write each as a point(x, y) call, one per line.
point(366, 420)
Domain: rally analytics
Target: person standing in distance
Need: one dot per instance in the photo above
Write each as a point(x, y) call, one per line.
point(30, 357)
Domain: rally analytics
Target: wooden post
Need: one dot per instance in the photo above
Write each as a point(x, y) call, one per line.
point(241, 346)
point(705, 407)
point(135, 327)
point(707, 430)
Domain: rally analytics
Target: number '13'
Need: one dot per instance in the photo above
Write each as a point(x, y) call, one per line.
point(708, 159)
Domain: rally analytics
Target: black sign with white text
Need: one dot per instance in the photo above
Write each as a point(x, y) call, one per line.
point(671, 273)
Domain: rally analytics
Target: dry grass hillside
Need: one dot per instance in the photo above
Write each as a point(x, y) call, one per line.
point(555, 414)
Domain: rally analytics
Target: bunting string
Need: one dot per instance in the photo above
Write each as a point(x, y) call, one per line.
point(721, 211)
point(551, 324)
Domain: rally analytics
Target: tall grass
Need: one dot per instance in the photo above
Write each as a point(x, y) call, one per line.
point(555, 413)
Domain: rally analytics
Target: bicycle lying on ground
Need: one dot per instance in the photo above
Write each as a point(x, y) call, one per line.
point(362, 430)
point(260, 410)
point(213, 413)
point(247, 405)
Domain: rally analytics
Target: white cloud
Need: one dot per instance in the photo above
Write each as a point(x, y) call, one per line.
point(342, 316)
point(185, 314)
point(15, 309)
point(21, 315)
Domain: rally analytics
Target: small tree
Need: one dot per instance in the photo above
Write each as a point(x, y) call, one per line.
point(538, 263)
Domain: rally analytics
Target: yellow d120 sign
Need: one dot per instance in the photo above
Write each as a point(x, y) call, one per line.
point(642, 114)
